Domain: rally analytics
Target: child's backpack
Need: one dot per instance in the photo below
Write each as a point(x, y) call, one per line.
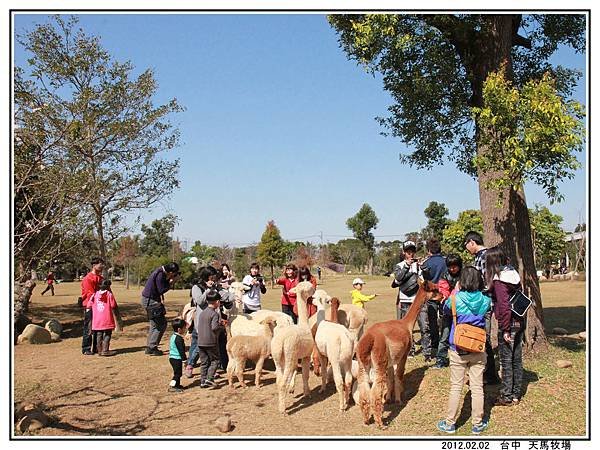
point(467, 337)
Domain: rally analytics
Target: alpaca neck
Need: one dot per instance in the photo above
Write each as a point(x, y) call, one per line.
point(334, 312)
point(415, 308)
point(302, 312)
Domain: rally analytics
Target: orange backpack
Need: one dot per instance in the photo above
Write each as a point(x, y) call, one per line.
point(467, 337)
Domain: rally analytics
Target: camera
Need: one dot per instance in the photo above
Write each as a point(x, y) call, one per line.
point(259, 278)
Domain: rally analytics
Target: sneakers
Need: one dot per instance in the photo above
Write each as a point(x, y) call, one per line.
point(177, 389)
point(516, 401)
point(442, 425)
point(481, 427)
point(501, 401)
point(207, 384)
point(88, 353)
point(108, 353)
point(189, 372)
point(154, 352)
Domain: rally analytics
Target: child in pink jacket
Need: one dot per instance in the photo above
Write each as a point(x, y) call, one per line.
point(104, 310)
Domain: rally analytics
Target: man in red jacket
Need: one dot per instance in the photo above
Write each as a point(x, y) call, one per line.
point(89, 285)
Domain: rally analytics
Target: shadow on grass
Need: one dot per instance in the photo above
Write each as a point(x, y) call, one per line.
point(571, 318)
point(412, 382)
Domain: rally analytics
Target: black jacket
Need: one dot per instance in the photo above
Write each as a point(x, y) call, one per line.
point(405, 280)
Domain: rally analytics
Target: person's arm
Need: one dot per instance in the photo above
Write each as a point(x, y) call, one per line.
point(401, 272)
point(199, 297)
point(263, 288)
point(88, 288)
point(364, 298)
point(162, 283)
point(501, 305)
point(215, 322)
point(280, 281)
point(180, 347)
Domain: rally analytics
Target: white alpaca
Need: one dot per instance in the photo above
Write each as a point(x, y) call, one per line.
point(281, 318)
point(292, 343)
point(255, 348)
point(336, 345)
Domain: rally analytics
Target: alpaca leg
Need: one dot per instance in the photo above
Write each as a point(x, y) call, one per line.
point(241, 365)
point(339, 383)
point(347, 374)
point(323, 361)
point(283, 387)
point(230, 370)
point(305, 375)
point(399, 381)
point(389, 384)
point(377, 395)
point(316, 360)
point(258, 370)
point(364, 392)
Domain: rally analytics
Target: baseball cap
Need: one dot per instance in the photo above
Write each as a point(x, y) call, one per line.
point(357, 281)
point(409, 244)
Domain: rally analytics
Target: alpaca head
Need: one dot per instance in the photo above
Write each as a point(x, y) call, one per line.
point(321, 299)
point(430, 289)
point(335, 302)
point(237, 289)
point(303, 290)
point(270, 322)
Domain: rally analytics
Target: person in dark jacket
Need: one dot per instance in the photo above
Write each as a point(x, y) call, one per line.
point(435, 266)
point(446, 285)
point(208, 325)
point(503, 281)
point(406, 275)
point(158, 283)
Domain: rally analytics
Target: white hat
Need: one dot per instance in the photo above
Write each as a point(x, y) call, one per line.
point(357, 281)
point(409, 244)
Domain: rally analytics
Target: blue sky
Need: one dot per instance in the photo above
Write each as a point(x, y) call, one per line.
point(279, 124)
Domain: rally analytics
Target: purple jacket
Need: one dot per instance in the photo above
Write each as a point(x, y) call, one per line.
point(503, 288)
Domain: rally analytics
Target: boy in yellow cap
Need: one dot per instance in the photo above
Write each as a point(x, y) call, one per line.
point(358, 298)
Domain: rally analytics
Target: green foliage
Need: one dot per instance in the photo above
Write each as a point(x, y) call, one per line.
point(350, 252)
point(548, 236)
point(389, 254)
point(271, 249)
point(157, 241)
point(433, 66)
point(102, 122)
point(188, 274)
point(531, 134)
point(454, 235)
point(361, 225)
point(206, 254)
point(437, 220)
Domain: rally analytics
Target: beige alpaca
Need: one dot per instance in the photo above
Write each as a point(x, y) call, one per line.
point(253, 348)
point(281, 318)
point(292, 343)
point(335, 345)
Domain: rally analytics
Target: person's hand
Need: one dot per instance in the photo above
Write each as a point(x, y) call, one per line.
point(506, 336)
point(224, 322)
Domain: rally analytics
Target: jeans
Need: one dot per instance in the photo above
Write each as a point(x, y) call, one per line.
point(156, 326)
point(490, 365)
point(88, 343)
point(250, 310)
point(222, 346)
point(474, 364)
point(209, 361)
point(401, 311)
point(430, 335)
point(193, 355)
point(442, 350)
point(511, 360)
point(289, 310)
point(176, 364)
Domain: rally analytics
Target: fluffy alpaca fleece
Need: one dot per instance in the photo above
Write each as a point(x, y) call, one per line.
point(336, 346)
point(254, 348)
point(292, 343)
point(384, 345)
point(281, 318)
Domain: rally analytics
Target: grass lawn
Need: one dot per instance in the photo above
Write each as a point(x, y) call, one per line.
point(126, 394)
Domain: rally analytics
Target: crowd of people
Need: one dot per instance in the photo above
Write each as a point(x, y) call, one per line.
point(473, 295)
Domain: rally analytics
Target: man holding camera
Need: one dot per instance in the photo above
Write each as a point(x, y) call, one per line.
point(158, 283)
point(255, 285)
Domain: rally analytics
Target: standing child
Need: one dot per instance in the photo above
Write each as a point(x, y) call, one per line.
point(358, 298)
point(446, 285)
point(208, 325)
point(177, 354)
point(104, 309)
point(471, 306)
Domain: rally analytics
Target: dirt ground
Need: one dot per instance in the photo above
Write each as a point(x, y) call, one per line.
point(127, 394)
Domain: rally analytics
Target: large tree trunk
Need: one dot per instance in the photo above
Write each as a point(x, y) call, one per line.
point(507, 223)
point(22, 293)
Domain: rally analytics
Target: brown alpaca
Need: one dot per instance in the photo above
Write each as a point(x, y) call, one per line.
point(384, 345)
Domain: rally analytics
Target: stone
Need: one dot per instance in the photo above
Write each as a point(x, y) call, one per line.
point(54, 326)
point(54, 337)
point(563, 363)
point(583, 335)
point(33, 419)
point(223, 424)
point(34, 334)
point(558, 330)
